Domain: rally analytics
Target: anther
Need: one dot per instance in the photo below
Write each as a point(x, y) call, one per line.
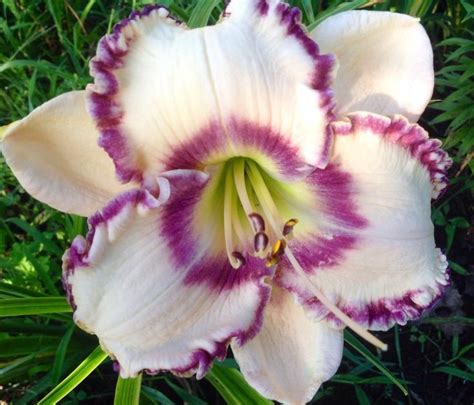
point(258, 222)
point(279, 247)
point(239, 257)
point(289, 225)
point(260, 241)
point(277, 253)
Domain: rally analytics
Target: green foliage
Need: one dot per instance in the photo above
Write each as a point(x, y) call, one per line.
point(81, 372)
point(45, 47)
point(455, 82)
point(232, 386)
point(127, 391)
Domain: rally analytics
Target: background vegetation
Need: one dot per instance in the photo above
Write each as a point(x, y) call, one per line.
point(45, 47)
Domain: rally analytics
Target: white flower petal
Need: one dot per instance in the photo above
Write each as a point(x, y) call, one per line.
point(155, 299)
point(160, 86)
point(53, 152)
point(292, 355)
point(385, 62)
point(376, 257)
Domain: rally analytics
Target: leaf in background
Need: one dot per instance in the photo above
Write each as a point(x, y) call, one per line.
point(127, 391)
point(75, 378)
point(455, 372)
point(33, 306)
point(361, 396)
point(201, 13)
point(339, 8)
point(354, 343)
point(232, 386)
point(185, 395)
point(155, 395)
point(38, 236)
point(61, 354)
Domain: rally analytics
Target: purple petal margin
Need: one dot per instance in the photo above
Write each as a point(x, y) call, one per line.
point(78, 254)
point(410, 137)
point(103, 105)
point(383, 313)
point(106, 110)
point(322, 76)
point(214, 273)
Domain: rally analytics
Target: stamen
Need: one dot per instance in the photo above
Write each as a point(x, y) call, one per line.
point(258, 223)
point(269, 210)
point(260, 242)
point(239, 257)
point(239, 180)
point(228, 232)
point(277, 253)
point(363, 333)
point(264, 196)
point(279, 248)
point(289, 225)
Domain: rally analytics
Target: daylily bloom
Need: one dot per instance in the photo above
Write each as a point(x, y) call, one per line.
point(253, 206)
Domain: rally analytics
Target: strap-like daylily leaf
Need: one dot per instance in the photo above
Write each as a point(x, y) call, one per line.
point(33, 306)
point(127, 391)
point(156, 395)
point(352, 341)
point(75, 378)
point(234, 389)
point(455, 372)
point(339, 8)
point(185, 395)
point(11, 290)
point(61, 354)
point(201, 13)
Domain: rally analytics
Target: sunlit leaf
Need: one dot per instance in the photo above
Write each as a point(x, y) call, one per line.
point(75, 378)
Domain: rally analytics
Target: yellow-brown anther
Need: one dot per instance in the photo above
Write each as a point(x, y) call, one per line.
point(277, 253)
point(289, 225)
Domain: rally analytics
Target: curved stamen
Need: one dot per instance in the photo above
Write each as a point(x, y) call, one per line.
point(239, 257)
point(264, 196)
point(239, 179)
point(228, 231)
point(269, 208)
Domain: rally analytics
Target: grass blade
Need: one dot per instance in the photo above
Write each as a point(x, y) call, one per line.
point(201, 13)
point(38, 236)
point(359, 347)
point(127, 391)
point(456, 372)
point(233, 388)
point(155, 395)
point(33, 306)
point(75, 378)
point(61, 354)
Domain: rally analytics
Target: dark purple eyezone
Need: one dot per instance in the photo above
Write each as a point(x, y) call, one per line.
point(108, 111)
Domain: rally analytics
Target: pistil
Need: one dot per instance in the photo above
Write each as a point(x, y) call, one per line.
point(281, 248)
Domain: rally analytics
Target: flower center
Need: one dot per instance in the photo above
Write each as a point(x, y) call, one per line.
point(250, 199)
